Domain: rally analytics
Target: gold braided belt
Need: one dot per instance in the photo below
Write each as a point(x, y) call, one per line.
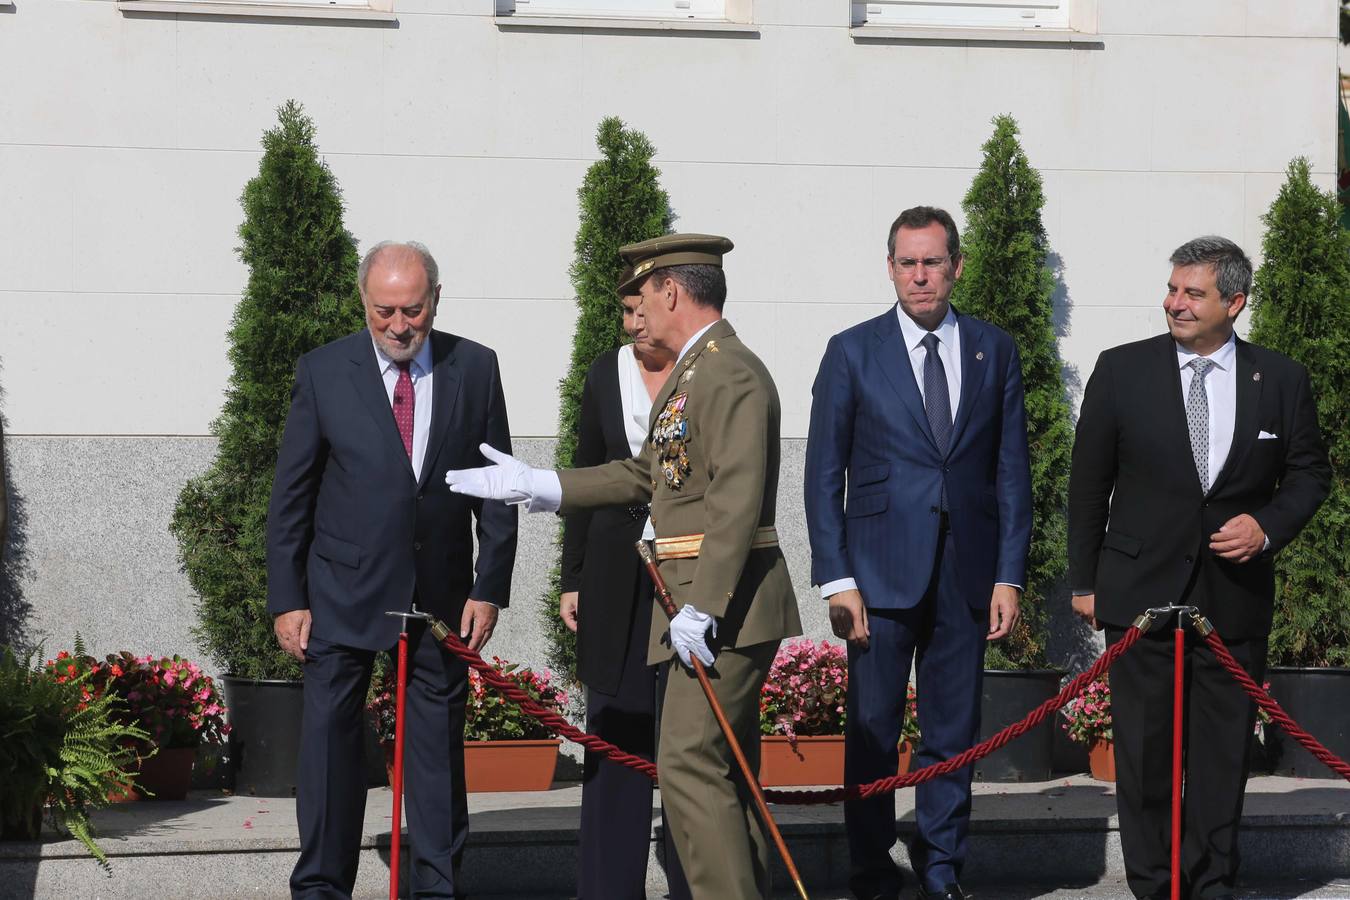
point(687, 546)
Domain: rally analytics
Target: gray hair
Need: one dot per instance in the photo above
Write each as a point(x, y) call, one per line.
point(705, 283)
point(1232, 268)
point(428, 263)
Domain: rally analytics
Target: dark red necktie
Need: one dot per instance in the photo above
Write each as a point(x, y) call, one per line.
point(403, 406)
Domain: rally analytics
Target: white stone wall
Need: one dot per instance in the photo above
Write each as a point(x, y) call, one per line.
point(125, 141)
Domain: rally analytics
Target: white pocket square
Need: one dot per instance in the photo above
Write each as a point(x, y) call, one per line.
point(1266, 436)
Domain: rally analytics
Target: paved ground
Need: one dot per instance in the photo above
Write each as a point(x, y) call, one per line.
point(523, 845)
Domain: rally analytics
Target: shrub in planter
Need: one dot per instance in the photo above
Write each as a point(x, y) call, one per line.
point(489, 716)
point(63, 748)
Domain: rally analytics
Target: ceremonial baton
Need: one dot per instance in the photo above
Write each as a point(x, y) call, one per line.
point(668, 604)
point(400, 695)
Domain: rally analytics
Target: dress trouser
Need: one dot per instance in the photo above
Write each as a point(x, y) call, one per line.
point(616, 801)
point(1219, 721)
point(331, 790)
point(947, 635)
point(709, 809)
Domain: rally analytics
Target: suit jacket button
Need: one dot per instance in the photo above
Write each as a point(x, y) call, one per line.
point(1189, 560)
point(417, 545)
point(933, 509)
point(419, 498)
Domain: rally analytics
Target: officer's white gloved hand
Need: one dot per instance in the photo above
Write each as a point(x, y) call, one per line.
point(507, 479)
point(689, 635)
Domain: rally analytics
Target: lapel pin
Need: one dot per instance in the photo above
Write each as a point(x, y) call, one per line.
point(1256, 376)
point(979, 354)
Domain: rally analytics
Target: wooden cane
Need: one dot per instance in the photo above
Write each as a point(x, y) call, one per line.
point(668, 604)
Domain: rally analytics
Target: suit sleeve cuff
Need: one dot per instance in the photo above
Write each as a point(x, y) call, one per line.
point(833, 587)
point(1020, 589)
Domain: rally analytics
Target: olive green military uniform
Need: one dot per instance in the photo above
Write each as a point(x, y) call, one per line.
point(710, 467)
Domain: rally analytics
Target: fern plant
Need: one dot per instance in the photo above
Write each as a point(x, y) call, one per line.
point(60, 745)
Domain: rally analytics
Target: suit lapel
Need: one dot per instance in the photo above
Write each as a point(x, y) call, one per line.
point(893, 360)
point(445, 384)
point(974, 371)
point(370, 388)
point(1249, 383)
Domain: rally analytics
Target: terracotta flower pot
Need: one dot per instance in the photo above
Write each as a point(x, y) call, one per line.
point(499, 765)
point(510, 765)
point(1102, 760)
point(906, 758)
point(167, 775)
point(817, 760)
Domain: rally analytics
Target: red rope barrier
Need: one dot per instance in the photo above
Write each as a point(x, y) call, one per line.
point(1276, 712)
point(831, 795)
point(1038, 715)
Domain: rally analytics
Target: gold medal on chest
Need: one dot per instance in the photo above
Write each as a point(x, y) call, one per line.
point(670, 437)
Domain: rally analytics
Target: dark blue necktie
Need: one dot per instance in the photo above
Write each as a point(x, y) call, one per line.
point(937, 400)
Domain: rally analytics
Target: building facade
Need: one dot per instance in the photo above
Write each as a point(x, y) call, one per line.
point(797, 127)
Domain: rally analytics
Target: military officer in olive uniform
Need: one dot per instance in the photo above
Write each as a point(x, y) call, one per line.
point(710, 471)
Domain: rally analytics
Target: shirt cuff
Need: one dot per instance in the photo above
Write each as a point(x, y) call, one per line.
point(1266, 545)
point(833, 587)
point(1020, 589)
point(545, 492)
point(1083, 592)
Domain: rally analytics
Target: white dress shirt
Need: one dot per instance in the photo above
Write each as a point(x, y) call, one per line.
point(1221, 390)
point(949, 351)
point(637, 412)
point(420, 371)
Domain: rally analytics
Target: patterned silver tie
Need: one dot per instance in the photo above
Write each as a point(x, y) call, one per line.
point(1197, 419)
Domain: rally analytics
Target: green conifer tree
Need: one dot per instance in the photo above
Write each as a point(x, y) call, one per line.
point(1299, 307)
point(1007, 282)
point(622, 202)
point(301, 294)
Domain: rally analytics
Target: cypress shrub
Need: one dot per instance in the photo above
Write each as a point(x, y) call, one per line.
point(1299, 308)
point(301, 294)
point(1008, 282)
point(621, 202)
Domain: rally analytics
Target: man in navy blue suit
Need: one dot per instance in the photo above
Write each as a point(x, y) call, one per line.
point(918, 507)
point(362, 522)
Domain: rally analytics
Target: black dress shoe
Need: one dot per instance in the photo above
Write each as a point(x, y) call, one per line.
point(952, 891)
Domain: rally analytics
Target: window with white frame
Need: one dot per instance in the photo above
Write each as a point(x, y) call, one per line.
point(964, 13)
point(668, 10)
point(337, 8)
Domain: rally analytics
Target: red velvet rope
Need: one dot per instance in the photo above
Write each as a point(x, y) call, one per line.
point(566, 729)
point(561, 726)
point(1276, 712)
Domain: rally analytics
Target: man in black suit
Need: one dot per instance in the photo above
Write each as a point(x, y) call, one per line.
point(1198, 458)
point(361, 522)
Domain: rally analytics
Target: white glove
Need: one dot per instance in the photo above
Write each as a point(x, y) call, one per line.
point(688, 635)
point(509, 480)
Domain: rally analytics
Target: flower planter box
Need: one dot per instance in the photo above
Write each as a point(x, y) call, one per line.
point(818, 760)
point(510, 765)
point(1102, 761)
point(500, 765)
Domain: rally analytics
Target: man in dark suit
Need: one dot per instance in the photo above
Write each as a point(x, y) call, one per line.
point(918, 507)
point(361, 522)
point(1198, 457)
